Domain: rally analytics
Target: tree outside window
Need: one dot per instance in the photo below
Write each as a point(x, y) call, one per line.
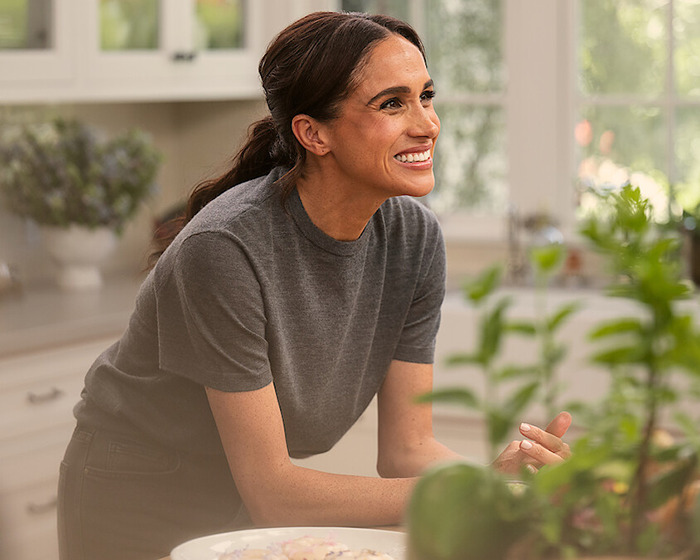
point(638, 99)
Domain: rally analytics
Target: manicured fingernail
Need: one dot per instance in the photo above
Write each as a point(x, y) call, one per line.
point(525, 427)
point(531, 468)
point(525, 444)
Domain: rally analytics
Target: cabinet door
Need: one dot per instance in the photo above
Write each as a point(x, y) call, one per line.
point(35, 45)
point(153, 49)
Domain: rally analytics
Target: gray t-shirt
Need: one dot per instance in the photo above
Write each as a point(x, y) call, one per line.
point(249, 294)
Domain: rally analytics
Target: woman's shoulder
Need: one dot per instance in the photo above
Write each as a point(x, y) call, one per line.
point(258, 195)
point(400, 211)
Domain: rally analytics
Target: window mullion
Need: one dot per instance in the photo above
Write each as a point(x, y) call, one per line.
point(534, 104)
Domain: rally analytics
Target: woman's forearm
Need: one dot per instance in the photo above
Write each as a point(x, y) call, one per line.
point(299, 496)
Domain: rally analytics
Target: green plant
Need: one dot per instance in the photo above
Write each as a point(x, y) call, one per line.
point(630, 488)
point(501, 412)
point(60, 173)
point(623, 472)
point(464, 512)
point(509, 389)
point(546, 261)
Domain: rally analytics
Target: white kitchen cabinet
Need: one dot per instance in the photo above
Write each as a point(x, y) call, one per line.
point(36, 48)
point(80, 63)
point(179, 55)
point(38, 390)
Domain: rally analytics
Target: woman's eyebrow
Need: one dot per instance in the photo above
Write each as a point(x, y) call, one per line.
point(395, 90)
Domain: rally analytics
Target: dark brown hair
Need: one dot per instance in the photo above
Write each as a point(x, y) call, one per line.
point(309, 68)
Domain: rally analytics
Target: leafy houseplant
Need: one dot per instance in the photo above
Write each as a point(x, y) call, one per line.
point(629, 488)
point(60, 173)
point(500, 412)
point(509, 389)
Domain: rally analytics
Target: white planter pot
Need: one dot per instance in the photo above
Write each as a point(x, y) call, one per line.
point(79, 252)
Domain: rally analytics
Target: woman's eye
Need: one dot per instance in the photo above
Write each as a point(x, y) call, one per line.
point(428, 95)
point(392, 103)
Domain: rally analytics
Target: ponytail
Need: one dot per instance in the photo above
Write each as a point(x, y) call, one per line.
point(263, 151)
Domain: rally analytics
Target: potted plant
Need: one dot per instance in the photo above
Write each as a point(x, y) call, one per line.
point(77, 186)
point(629, 489)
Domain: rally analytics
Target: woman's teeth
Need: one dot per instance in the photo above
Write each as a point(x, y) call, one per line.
point(410, 158)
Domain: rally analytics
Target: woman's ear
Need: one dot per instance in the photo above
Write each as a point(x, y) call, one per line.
point(310, 134)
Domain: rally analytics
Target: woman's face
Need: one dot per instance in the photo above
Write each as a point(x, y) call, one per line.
point(383, 141)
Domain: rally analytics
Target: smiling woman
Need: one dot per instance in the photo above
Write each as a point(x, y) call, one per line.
point(305, 281)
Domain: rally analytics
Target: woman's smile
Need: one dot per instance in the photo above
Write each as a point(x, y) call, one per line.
point(424, 158)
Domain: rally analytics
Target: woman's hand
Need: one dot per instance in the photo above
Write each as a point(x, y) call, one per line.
point(542, 447)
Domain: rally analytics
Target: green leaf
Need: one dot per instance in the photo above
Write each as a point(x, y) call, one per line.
point(459, 396)
point(615, 327)
point(547, 258)
point(563, 313)
point(492, 328)
point(520, 399)
point(499, 425)
point(521, 327)
point(483, 285)
point(512, 372)
point(463, 359)
point(619, 356)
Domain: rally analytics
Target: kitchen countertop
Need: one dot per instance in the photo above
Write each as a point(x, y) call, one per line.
point(38, 318)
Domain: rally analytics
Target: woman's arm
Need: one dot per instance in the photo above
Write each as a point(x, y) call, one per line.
point(278, 493)
point(407, 444)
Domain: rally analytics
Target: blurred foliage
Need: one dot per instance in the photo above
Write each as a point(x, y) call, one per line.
point(500, 411)
point(464, 512)
point(219, 24)
point(629, 487)
point(61, 172)
point(510, 388)
point(129, 24)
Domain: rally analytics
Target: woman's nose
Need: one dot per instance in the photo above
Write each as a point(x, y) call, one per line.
point(425, 123)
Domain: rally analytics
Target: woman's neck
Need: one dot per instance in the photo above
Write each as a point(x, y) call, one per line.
point(340, 211)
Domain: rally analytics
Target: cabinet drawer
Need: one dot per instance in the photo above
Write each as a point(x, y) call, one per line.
point(28, 523)
point(40, 389)
point(34, 407)
point(34, 459)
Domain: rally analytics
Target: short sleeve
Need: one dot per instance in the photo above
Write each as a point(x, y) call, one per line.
point(417, 341)
point(211, 316)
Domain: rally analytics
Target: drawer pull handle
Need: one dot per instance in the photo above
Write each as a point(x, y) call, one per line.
point(184, 56)
point(38, 509)
point(38, 398)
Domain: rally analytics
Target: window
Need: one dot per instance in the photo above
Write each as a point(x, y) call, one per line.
point(539, 100)
point(463, 41)
point(638, 98)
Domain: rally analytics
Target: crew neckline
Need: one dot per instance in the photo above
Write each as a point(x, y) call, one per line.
point(318, 237)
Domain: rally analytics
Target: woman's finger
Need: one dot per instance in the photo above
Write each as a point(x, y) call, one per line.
point(545, 439)
point(560, 424)
point(539, 453)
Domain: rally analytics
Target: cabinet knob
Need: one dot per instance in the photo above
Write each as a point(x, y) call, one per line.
point(45, 507)
point(184, 56)
point(39, 398)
